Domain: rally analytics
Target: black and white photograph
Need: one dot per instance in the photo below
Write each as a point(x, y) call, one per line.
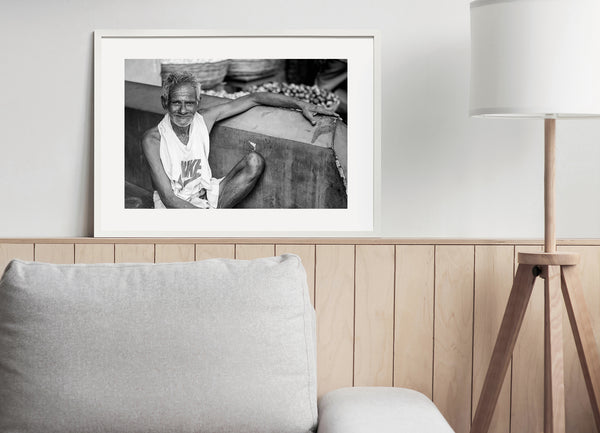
point(236, 133)
point(204, 135)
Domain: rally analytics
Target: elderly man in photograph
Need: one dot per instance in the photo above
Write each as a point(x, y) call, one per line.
point(177, 148)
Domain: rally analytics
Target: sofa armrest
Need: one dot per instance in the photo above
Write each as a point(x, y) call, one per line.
point(381, 410)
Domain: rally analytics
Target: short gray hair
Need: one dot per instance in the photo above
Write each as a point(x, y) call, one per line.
point(175, 79)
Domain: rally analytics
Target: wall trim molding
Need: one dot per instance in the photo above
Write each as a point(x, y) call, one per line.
point(297, 241)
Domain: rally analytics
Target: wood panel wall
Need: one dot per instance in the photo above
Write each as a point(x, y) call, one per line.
point(416, 314)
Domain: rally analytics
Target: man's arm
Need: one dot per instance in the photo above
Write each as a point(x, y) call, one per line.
point(151, 147)
point(213, 114)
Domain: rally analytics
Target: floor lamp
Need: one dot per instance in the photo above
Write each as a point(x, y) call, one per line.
point(539, 59)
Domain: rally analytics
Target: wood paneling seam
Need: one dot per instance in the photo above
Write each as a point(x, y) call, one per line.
point(433, 307)
point(315, 279)
point(510, 392)
point(394, 323)
point(473, 329)
point(354, 322)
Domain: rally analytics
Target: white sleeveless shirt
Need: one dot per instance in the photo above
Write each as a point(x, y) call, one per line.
point(186, 165)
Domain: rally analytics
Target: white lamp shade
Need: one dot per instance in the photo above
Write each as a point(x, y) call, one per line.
point(535, 58)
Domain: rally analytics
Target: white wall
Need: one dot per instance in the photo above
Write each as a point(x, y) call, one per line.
point(443, 174)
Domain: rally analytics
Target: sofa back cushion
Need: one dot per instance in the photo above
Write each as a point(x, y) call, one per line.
point(213, 346)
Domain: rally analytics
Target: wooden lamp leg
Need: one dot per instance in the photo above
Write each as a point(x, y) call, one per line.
point(505, 343)
point(584, 336)
point(554, 381)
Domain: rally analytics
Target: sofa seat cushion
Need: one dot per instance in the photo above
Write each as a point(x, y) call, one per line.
point(212, 346)
point(381, 410)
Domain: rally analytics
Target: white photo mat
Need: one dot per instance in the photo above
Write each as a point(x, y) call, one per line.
point(360, 218)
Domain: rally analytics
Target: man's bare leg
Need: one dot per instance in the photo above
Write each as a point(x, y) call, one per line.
point(240, 180)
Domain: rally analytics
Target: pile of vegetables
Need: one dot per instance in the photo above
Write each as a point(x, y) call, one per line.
point(303, 92)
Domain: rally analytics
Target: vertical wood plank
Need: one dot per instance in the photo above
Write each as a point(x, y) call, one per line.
point(579, 416)
point(55, 253)
point(494, 267)
point(527, 402)
point(94, 253)
point(374, 316)
point(215, 251)
point(307, 255)
point(253, 251)
point(454, 334)
point(413, 345)
point(134, 253)
point(14, 251)
point(334, 302)
point(168, 253)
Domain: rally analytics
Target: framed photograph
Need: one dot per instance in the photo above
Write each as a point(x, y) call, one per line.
point(203, 134)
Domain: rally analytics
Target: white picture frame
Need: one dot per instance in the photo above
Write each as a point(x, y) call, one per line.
point(361, 216)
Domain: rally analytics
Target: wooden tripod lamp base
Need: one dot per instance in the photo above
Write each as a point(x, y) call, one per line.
point(559, 271)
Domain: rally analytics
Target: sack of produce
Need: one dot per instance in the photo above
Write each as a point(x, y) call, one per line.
point(209, 72)
point(253, 69)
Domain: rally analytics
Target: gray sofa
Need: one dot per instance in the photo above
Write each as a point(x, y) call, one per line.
point(212, 346)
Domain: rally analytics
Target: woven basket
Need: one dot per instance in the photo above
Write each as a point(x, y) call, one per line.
point(253, 69)
point(209, 74)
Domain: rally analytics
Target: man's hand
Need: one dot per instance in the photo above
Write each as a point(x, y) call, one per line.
point(200, 201)
point(310, 110)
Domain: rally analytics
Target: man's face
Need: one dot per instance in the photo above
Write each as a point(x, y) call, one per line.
point(182, 104)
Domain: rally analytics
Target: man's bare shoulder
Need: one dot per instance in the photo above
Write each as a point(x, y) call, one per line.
point(219, 107)
point(212, 111)
point(209, 114)
point(151, 137)
point(207, 111)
